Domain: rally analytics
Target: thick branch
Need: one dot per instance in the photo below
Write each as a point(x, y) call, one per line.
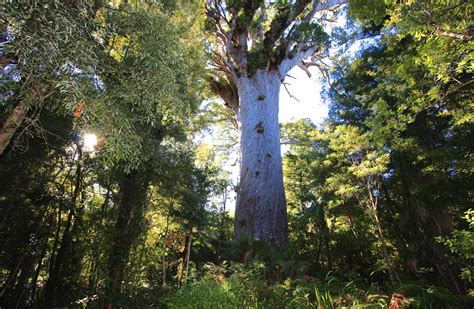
point(431, 21)
point(227, 91)
point(461, 36)
point(288, 63)
point(328, 4)
point(303, 51)
point(11, 124)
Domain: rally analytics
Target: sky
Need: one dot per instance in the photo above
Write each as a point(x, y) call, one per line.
point(307, 91)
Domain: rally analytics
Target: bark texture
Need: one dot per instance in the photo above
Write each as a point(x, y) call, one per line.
point(261, 203)
point(11, 124)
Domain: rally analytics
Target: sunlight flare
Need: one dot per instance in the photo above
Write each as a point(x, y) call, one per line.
point(90, 141)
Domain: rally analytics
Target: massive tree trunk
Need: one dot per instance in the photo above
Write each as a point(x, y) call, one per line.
point(261, 204)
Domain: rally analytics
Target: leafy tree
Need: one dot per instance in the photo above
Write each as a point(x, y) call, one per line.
point(306, 169)
point(36, 208)
point(138, 95)
point(417, 111)
point(461, 247)
point(150, 87)
point(48, 53)
point(358, 176)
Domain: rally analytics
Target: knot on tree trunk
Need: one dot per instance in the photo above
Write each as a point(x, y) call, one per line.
point(259, 127)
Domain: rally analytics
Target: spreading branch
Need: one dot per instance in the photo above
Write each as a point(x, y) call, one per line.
point(280, 47)
point(303, 51)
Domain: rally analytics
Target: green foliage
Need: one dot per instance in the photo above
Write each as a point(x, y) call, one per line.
point(368, 10)
point(396, 139)
point(461, 247)
point(257, 57)
point(313, 34)
point(139, 92)
point(205, 295)
point(239, 290)
point(441, 29)
point(414, 114)
point(152, 81)
point(333, 182)
point(236, 285)
point(52, 52)
point(420, 295)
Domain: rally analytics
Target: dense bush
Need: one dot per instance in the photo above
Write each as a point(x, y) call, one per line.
point(237, 285)
point(246, 286)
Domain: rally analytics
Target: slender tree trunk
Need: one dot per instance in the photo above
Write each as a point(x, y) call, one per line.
point(188, 254)
point(410, 224)
point(319, 263)
point(20, 292)
point(325, 233)
point(184, 262)
point(19, 286)
point(34, 281)
point(14, 286)
point(56, 240)
point(168, 216)
point(50, 294)
point(55, 276)
point(222, 216)
point(327, 241)
point(388, 258)
point(11, 124)
point(11, 278)
point(132, 198)
point(351, 226)
point(261, 203)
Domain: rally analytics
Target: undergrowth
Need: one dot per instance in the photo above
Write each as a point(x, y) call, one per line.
point(257, 277)
point(238, 285)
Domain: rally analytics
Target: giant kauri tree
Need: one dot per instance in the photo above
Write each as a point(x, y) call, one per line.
point(256, 44)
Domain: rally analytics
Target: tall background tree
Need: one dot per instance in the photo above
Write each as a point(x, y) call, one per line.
point(135, 84)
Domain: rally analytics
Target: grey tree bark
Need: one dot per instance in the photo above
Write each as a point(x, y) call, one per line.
point(261, 203)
